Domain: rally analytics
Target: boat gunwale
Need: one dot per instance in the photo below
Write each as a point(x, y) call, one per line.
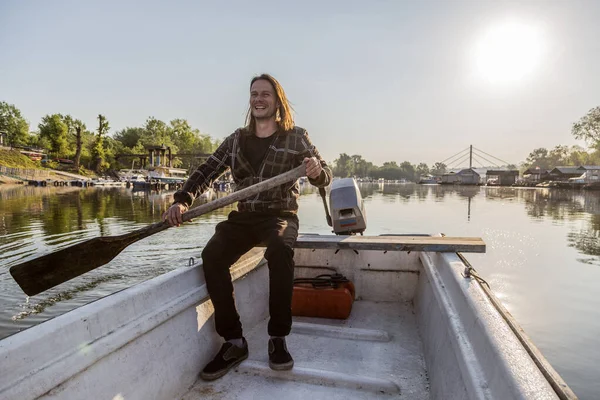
point(64, 363)
point(480, 304)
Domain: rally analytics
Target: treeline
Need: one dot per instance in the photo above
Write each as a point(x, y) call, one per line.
point(561, 156)
point(355, 165)
point(587, 128)
point(64, 136)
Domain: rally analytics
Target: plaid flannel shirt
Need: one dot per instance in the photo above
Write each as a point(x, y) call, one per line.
point(287, 151)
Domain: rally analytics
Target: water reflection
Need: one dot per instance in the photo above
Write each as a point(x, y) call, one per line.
point(34, 221)
point(536, 238)
point(73, 211)
point(37, 220)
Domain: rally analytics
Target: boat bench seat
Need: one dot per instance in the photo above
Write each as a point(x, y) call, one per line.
point(391, 243)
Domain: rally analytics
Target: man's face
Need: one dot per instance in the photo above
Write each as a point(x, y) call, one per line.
point(263, 101)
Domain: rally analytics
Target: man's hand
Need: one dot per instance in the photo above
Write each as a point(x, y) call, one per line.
point(313, 167)
point(173, 214)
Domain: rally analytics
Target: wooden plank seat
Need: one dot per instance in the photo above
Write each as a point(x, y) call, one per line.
point(445, 244)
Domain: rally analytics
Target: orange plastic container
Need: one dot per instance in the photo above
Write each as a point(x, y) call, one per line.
point(308, 301)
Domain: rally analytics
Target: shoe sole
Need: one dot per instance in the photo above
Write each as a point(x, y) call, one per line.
point(282, 367)
point(217, 375)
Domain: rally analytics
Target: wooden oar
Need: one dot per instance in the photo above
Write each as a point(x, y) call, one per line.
point(43, 273)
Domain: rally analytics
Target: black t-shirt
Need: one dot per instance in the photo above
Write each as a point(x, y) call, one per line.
point(255, 149)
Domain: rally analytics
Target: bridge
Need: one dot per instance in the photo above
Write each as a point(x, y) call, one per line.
point(473, 154)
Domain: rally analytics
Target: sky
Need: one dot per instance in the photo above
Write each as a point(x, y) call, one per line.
point(396, 80)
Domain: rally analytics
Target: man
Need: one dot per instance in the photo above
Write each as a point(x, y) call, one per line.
point(267, 146)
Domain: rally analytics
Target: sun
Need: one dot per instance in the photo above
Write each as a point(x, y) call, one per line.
point(508, 52)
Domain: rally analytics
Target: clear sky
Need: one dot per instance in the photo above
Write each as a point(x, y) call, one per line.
point(390, 80)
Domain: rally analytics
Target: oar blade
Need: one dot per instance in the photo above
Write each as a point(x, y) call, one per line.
point(43, 273)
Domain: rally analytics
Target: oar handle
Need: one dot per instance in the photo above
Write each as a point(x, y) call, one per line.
point(250, 191)
point(253, 190)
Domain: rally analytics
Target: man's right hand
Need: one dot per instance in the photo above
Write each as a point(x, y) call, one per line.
point(173, 214)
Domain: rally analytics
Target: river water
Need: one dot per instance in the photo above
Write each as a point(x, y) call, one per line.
point(542, 260)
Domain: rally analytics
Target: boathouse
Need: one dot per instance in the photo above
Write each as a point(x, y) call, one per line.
point(565, 173)
point(591, 173)
point(449, 178)
point(536, 175)
point(502, 177)
point(468, 176)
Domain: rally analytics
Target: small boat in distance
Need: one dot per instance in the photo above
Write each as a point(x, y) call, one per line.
point(428, 180)
point(170, 175)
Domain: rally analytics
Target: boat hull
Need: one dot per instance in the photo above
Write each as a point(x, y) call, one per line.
point(151, 340)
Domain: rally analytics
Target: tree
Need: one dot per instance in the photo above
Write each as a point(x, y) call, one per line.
point(79, 129)
point(538, 158)
point(407, 170)
point(55, 131)
point(559, 155)
point(389, 170)
point(129, 136)
point(360, 166)
point(422, 170)
point(184, 137)
point(75, 129)
point(588, 127)
point(343, 166)
point(578, 156)
point(157, 133)
point(98, 154)
point(438, 169)
point(13, 125)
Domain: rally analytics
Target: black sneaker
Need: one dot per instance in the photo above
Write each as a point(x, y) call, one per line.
point(279, 357)
point(228, 357)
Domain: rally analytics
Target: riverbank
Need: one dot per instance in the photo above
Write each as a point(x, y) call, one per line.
point(7, 180)
point(16, 168)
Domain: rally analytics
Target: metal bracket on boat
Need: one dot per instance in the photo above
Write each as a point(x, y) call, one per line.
point(191, 262)
point(470, 272)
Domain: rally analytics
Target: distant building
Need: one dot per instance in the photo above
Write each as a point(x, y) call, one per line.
point(536, 175)
point(449, 178)
point(502, 177)
point(468, 176)
point(160, 156)
point(590, 173)
point(565, 173)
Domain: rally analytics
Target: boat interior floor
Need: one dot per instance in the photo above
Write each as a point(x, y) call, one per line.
point(376, 352)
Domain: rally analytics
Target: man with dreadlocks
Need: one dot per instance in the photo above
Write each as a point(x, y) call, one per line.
point(270, 144)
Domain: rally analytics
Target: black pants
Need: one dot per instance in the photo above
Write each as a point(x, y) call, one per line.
point(234, 237)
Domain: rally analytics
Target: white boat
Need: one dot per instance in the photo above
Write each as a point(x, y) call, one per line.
point(106, 182)
point(167, 174)
point(428, 180)
point(419, 329)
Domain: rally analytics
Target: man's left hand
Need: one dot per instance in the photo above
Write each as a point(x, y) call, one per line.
point(313, 167)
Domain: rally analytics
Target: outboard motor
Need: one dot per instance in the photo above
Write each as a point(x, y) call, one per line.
point(347, 207)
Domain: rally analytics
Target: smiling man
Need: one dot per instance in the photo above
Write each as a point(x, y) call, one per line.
point(270, 144)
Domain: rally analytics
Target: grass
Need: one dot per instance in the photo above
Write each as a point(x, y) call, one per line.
point(14, 159)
